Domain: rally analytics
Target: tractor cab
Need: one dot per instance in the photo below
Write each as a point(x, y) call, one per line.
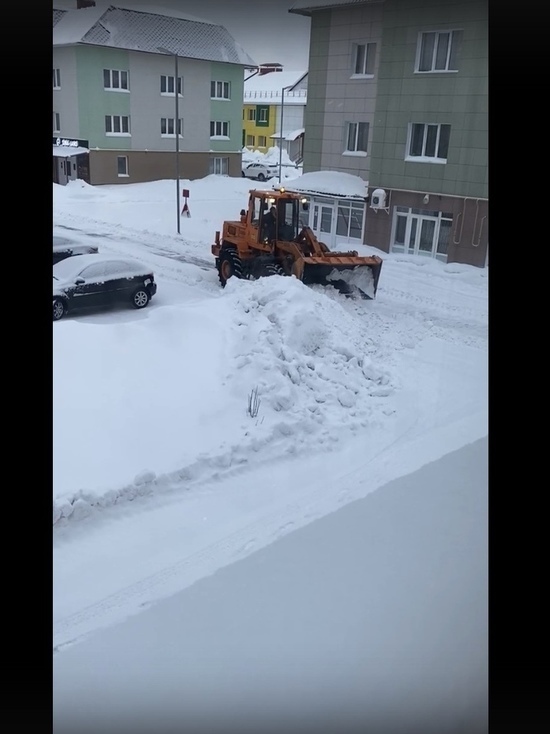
point(277, 217)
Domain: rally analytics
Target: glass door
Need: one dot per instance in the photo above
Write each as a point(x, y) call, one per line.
point(324, 222)
point(421, 240)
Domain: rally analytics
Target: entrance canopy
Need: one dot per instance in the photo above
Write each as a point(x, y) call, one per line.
point(67, 151)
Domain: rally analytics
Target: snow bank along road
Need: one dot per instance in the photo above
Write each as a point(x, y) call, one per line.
point(422, 362)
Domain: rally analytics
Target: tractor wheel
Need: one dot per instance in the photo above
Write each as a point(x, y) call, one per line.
point(274, 269)
point(229, 264)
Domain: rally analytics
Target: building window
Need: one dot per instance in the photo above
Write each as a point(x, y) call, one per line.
point(363, 59)
point(167, 85)
point(428, 143)
point(122, 165)
point(252, 114)
point(113, 79)
point(357, 134)
point(220, 90)
point(263, 115)
point(438, 51)
point(219, 129)
point(422, 232)
point(262, 141)
point(56, 122)
point(167, 127)
point(350, 220)
point(250, 140)
point(117, 125)
point(219, 166)
point(56, 79)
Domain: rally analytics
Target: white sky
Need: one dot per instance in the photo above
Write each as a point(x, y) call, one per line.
point(264, 28)
point(162, 480)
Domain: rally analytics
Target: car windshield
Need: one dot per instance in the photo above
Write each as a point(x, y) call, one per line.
point(71, 267)
point(68, 268)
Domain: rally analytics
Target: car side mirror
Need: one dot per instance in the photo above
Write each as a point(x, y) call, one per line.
point(79, 281)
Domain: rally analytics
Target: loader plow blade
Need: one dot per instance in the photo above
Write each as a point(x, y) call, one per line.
point(349, 275)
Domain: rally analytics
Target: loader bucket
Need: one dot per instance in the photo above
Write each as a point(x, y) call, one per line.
point(348, 274)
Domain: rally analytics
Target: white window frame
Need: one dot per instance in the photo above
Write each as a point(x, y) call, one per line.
point(166, 79)
point(409, 214)
point(56, 122)
point(455, 37)
point(427, 138)
point(219, 163)
point(111, 87)
point(350, 208)
point(263, 114)
point(250, 140)
point(221, 130)
point(367, 64)
point(352, 132)
point(121, 134)
point(222, 90)
point(57, 78)
point(167, 123)
point(260, 144)
point(251, 115)
point(125, 159)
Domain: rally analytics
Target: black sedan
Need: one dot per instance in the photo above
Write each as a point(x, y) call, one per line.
point(63, 248)
point(97, 281)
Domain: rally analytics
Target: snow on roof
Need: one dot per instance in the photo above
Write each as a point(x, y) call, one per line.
point(171, 12)
point(57, 15)
point(66, 151)
point(331, 183)
point(302, 6)
point(273, 82)
point(291, 135)
point(120, 27)
point(74, 24)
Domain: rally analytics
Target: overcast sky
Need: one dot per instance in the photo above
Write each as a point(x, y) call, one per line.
point(264, 28)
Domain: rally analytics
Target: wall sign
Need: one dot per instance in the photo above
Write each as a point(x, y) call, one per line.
point(70, 143)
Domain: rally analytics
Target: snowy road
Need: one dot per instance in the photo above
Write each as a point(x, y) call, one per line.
point(419, 352)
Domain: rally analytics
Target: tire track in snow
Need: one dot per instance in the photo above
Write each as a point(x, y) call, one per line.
point(319, 500)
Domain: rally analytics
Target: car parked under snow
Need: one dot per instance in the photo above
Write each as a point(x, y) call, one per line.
point(64, 247)
point(95, 281)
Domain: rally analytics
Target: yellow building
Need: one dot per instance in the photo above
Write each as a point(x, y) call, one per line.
point(264, 104)
point(258, 126)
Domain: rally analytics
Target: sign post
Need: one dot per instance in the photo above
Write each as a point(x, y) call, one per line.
point(185, 210)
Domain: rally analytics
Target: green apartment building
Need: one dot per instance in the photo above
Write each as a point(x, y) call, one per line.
point(398, 95)
point(115, 110)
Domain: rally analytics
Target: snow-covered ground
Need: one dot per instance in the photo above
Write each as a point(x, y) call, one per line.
point(162, 476)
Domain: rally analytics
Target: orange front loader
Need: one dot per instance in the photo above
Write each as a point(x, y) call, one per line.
point(254, 247)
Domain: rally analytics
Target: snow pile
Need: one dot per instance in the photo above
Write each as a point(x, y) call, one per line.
point(311, 364)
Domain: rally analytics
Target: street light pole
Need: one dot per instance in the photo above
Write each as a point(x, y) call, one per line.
point(177, 125)
point(281, 135)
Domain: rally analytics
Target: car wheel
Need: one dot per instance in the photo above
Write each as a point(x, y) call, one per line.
point(229, 264)
point(59, 309)
point(243, 174)
point(140, 298)
point(261, 177)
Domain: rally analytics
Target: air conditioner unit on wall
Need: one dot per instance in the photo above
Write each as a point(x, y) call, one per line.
point(378, 199)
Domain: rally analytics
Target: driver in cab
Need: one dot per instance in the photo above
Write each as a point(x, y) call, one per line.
point(270, 225)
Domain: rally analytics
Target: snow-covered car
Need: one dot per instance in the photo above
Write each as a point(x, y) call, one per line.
point(63, 248)
point(96, 281)
point(260, 171)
